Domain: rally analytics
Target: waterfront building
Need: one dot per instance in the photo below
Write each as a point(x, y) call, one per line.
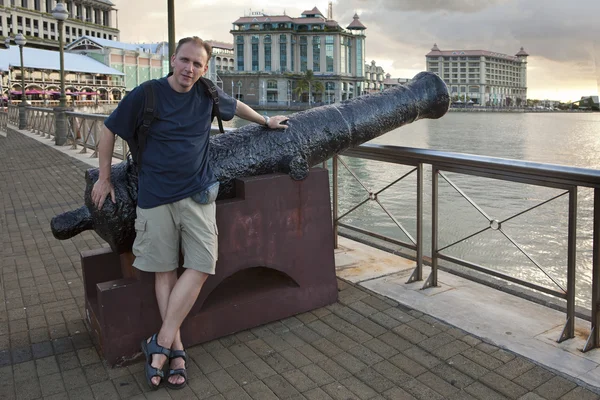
point(486, 77)
point(86, 79)
point(33, 18)
point(137, 62)
point(389, 82)
point(272, 52)
point(222, 61)
point(373, 77)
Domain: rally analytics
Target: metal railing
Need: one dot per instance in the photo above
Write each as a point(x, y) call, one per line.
point(567, 179)
point(41, 121)
point(3, 119)
point(13, 114)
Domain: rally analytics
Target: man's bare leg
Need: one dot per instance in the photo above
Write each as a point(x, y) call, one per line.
point(163, 285)
point(180, 302)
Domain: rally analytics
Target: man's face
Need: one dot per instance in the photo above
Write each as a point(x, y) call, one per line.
point(189, 64)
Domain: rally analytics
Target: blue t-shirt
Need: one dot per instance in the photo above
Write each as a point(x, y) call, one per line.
point(175, 161)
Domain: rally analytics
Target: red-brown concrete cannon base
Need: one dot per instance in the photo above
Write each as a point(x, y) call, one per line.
point(275, 260)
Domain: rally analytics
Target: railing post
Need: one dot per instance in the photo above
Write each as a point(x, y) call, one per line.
point(417, 274)
point(432, 279)
point(334, 164)
point(60, 125)
point(569, 330)
point(594, 338)
point(22, 115)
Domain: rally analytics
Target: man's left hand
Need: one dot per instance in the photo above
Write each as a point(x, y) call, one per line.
point(278, 122)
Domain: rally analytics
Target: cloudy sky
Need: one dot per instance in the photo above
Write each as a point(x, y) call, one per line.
point(562, 37)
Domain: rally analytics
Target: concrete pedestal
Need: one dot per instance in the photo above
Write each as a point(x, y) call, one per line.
point(276, 260)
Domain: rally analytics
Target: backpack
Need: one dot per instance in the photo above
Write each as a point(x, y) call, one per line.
point(138, 144)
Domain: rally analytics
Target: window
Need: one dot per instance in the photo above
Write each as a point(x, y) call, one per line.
point(343, 55)
point(24, 3)
point(303, 53)
point(282, 53)
point(255, 41)
point(240, 53)
point(272, 84)
point(267, 45)
point(49, 5)
point(316, 53)
point(329, 53)
point(359, 57)
point(37, 5)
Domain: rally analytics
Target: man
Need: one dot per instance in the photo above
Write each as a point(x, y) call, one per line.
point(174, 172)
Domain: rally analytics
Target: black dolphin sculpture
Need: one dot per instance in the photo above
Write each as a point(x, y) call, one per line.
point(312, 137)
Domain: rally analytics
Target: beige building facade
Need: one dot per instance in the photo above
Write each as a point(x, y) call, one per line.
point(33, 18)
point(272, 52)
point(485, 77)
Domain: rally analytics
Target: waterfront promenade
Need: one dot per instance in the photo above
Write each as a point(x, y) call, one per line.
point(366, 346)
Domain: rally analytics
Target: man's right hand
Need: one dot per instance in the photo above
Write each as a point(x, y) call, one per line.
point(100, 190)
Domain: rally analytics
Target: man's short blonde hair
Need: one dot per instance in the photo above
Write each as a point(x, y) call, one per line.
point(196, 41)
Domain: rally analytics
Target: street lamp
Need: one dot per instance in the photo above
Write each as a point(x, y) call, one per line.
point(21, 42)
point(60, 13)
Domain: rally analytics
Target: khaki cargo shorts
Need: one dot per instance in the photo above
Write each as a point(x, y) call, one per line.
point(160, 230)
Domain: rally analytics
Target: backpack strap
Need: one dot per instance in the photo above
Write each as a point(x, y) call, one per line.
point(211, 90)
point(149, 114)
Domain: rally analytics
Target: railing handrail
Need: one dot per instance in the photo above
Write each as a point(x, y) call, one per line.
point(553, 173)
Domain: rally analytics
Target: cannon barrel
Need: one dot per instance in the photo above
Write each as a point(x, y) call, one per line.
point(312, 137)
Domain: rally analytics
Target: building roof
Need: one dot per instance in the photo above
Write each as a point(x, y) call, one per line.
point(154, 48)
point(314, 11)
point(356, 24)
point(50, 60)
point(106, 2)
point(436, 53)
point(220, 45)
point(522, 52)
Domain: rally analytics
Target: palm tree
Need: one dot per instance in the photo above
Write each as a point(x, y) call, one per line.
point(306, 83)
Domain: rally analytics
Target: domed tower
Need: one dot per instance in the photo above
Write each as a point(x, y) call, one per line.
point(357, 54)
point(522, 56)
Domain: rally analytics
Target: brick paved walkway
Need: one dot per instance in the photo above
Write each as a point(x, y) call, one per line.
point(363, 347)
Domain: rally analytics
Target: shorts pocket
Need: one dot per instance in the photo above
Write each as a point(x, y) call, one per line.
point(207, 195)
point(142, 239)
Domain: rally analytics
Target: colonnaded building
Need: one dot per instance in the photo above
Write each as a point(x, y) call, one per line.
point(33, 18)
point(272, 52)
point(486, 77)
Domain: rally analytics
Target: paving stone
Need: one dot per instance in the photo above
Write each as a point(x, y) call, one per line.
point(452, 375)
point(299, 380)
point(317, 374)
point(95, 373)
point(225, 357)
point(422, 357)
point(222, 381)
point(203, 388)
point(358, 387)
point(385, 320)
point(295, 358)
point(338, 392)
point(482, 358)
point(74, 378)
point(277, 343)
point(307, 334)
point(278, 363)
point(450, 350)
point(363, 308)
point(534, 377)
point(28, 390)
point(349, 362)
point(51, 384)
point(311, 353)
point(260, 368)
point(242, 352)
point(502, 385)
point(482, 392)
point(467, 366)
point(555, 388)
point(411, 334)
point(420, 390)
point(293, 340)
point(317, 394)
point(258, 390)
point(241, 374)
point(46, 366)
point(280, 386)
point(104, 390)
point(580, 393)
point(236, 394)
point(334, 369)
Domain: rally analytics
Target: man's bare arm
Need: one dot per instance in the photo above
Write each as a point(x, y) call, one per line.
point(103, 186)
point(245, 112)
